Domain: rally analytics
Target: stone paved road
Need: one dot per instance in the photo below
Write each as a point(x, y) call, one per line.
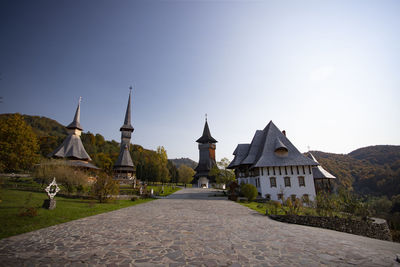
point(191, 228)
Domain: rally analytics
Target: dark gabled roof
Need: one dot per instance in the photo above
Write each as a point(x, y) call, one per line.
point(71, 148)
point(240, 153)
point(261, 152)
point(255, 147)
point(124, 159)
point(75, 124)
point(273, 137)
point(127, 122)
point(206, 138)
point(318, 171)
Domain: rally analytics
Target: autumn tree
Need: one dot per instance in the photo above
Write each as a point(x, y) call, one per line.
point(163, 173)
point(18, 144)
point(185, 174)
point(221, 173)
point(173, 172)
point(105, 188)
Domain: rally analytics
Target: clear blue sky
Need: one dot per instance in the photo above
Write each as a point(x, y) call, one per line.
point(328, 72)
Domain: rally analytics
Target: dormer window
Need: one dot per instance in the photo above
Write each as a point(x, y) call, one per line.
point(280, 149)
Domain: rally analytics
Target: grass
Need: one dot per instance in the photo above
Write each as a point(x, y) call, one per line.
point(262, 207)
point(168, 190)
point(14, 201)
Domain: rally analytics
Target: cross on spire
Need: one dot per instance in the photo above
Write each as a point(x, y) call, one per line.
point(206, 116)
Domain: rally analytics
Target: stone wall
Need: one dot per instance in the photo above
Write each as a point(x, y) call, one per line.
point(374, 227)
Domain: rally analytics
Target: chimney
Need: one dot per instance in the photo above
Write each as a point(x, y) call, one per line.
point(284, 132)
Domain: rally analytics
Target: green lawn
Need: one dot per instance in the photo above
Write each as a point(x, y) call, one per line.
point(13, 201)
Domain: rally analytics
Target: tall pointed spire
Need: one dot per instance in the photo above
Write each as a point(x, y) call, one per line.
point(75, 124)
point(127, 122)
point(123, 167)
point(206, 137)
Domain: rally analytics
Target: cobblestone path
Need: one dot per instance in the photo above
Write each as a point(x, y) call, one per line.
point(190, 228)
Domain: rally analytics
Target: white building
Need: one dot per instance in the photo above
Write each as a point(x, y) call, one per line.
point(274, 165)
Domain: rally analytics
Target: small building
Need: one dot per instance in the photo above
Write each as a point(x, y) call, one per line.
point(323, 180)
point(274, 166)
point(124, 170)
point(206, 159)
point(72, 148)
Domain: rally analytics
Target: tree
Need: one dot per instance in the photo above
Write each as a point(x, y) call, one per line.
point(105, 188)
point(18, 144)
point(104, 161)
point(173, 172)
point(163, 173)
point(222, 175)
point(185, 174)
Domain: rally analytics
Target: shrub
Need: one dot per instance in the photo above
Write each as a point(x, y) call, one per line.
point(249, 191)
point(72, 179)
point(326, 204)
point(275, 206)
point(294, 207)
point(105, 188)
point(134, 198)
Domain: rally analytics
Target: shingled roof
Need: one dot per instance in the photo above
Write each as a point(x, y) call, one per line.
point(71, 148)
point(127, 122)
point(262, 151)
point(240, 153)
point(318, 171)
point(124, 160)
point(75, 124)
point(206, 137)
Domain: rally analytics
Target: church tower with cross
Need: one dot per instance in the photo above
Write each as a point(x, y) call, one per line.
point(124, 170)
point(206, 158)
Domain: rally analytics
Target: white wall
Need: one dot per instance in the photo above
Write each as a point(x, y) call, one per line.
point(294, 189)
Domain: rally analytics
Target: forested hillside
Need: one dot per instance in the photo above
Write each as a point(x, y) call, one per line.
point(184, 161)
point(151, 165)
point(373, 170)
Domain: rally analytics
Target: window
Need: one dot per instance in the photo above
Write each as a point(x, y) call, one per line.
point(301, 181)
point(285, 170)
point(291, 169)
point(287, 181)
point(257, 182)
point(304, 171)
point(293, 198)
point(280, 173)
point(268, 171)
point(306, 198)
point(280, 196)
point(309, 169)
point(273, 168)
point(297, 167)
point(262, 171)
point(268, 196)
point(272, 181)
